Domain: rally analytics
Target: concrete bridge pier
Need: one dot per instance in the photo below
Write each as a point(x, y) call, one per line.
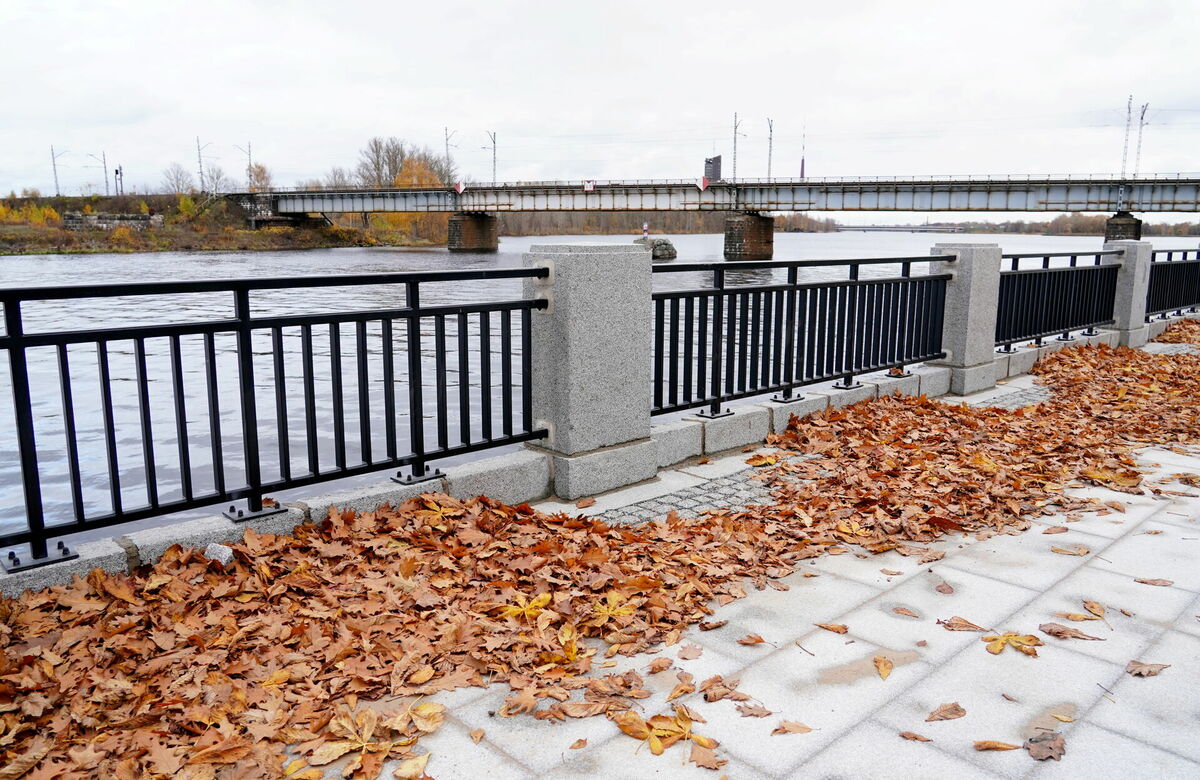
point(749, 236)
point(1123, 226)
point(473, 232)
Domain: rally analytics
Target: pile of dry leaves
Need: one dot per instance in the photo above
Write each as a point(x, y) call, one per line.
point(192, 669)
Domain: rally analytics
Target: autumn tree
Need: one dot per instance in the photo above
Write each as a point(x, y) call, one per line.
point(215, 180)
point(177, 180)
point(260, 177)
point(417, 171)
point(380, 161)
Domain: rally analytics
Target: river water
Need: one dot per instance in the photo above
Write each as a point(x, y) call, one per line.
point(90, 313)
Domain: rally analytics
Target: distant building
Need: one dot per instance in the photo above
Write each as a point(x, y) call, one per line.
point(712, 168)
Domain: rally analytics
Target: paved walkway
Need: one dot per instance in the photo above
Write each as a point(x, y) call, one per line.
point(1114, 725)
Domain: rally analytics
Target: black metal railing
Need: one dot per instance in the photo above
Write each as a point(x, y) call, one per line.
point(1174, 282)
point(725, 342)
point(418, 382)
point(1067, 291)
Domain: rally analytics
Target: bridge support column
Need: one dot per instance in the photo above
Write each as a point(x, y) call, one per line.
point(969, 322)
point(587, 391)
point(749, 237)
point(1123, 226)
point(473, 233)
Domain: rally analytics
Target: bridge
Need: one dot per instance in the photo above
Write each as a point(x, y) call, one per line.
point(899, 229)
point(749, 231)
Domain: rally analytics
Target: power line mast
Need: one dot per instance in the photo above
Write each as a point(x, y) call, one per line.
point(249, 164)
point(449, 134)
point(103, 160)
point(736, 124)
point(1125, 154)
point(200, 161)
point(492, 135)
point(54, 164)
point(1137, 157)
point(803, 143)
point(770, 144)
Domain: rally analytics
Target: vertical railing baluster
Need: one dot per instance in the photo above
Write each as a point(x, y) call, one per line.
point(464, 375)
point(689, 311)
point(143, 388)
point(416, 401)
point(245, 355)
point(214, 413)
point(110, 433)
point(364, 390)
point(181, 423)
point(658, 353)
point(68, 407)
point(718, 300)
point(335, 386)
point(673, 354)
point(26, 438)
point(526, 371)
point(310, 400)
point(485, 374)
point(281, 409)
point(389, 387)
point(506, 369)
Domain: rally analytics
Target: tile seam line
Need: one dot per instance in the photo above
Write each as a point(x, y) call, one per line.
point(467, 727)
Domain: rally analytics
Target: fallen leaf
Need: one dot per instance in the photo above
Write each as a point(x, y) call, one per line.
point(1059, 631)
point(944, 587)
point(762, 460)
point(1006, 696)
point(1062, 718)
point(1160, 583)
point(890, 573)
point(991, 744)
point(905, 611)
point(1025, 643)
point(957, 623)
point(915, 737)
point(1076, 616)
point(705, 757)
point(1046, 745)
point(883, 665)
point(476, 735)
point(412, 768)
point(836, 628)
point(753, 710)
point(1075, 549)
point(689, 652)
point(1095, 607)
point(1117, 505)
point(709, 626)
point(1140, 669)
point(579, 743)
point(751, 639)
point(659, 665)
point(684, 687)
point(584, 503)
point(948, 711)
point(790, 727)
point(1056, 529)
point(702, 461)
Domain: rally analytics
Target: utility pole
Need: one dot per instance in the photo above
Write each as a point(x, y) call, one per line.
point(249, 165)
point(1137, 158)
point(200, 161)
point(736, 123)
point(54, 164)
point(770, 144)
point(103, 160)
point(1125, 154)
point(803, 143)
point(119, 180)
point(492, 135)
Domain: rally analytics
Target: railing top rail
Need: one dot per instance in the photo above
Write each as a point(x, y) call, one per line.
point(15, 294)
point(1168, 255)
point(740, 265)
point(1083, 253)
point(1112, 268)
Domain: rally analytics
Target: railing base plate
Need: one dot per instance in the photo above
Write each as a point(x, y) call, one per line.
point(410, 479)
point(242, 515)
point(1068, 338)
point(839, 386)
point(12, 564)
point(710, 416)
point(779, 399)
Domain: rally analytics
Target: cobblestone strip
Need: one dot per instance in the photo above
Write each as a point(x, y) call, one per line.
point(735, 491)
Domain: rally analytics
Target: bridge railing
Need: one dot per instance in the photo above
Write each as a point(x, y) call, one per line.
point(174, 415)
point(1174, 282)
point(763, 327)
point(1065, 291)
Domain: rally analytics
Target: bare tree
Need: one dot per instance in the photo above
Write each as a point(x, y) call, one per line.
point(215, 180)
point(380, 161)
point(177, 180)
point(338, 178)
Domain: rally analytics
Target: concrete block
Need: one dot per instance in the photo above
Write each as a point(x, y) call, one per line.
point(964, 381)
point(1133, 281)
point(1134, 337)
point(219, 552)
point(1001, 365)
point(781, 413)
point(280, 524)
point(892, 385)
point(594, 472)
point(103, 554)
point(151, 543)
point(677, 441)
point(935, 380)
point(591, 385)
point(368, 498)
point(1156, 327)
point(747, 425)
point(513, 478)
point(1021, 361)
point(1110, 337)
point(972, 300)
point(847, 397)
point(1051, 344)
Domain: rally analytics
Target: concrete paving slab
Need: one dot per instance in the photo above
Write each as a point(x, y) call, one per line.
point(455, 755)
point(1027, 559)
point(719, 466)
point(1101, 754)
point(872, 751)
point(1155, 556)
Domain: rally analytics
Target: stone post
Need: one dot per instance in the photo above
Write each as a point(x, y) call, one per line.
point(1133, 282)
point(473, 233)
point(592, 371)
point(969, 325)
point(749, 237)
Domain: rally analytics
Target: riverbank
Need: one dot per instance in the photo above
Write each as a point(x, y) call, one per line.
point(41, 240)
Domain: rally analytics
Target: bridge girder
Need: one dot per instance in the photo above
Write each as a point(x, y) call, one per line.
point(1158, 194)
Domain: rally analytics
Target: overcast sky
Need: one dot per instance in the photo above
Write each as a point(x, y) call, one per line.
point(600, 90)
